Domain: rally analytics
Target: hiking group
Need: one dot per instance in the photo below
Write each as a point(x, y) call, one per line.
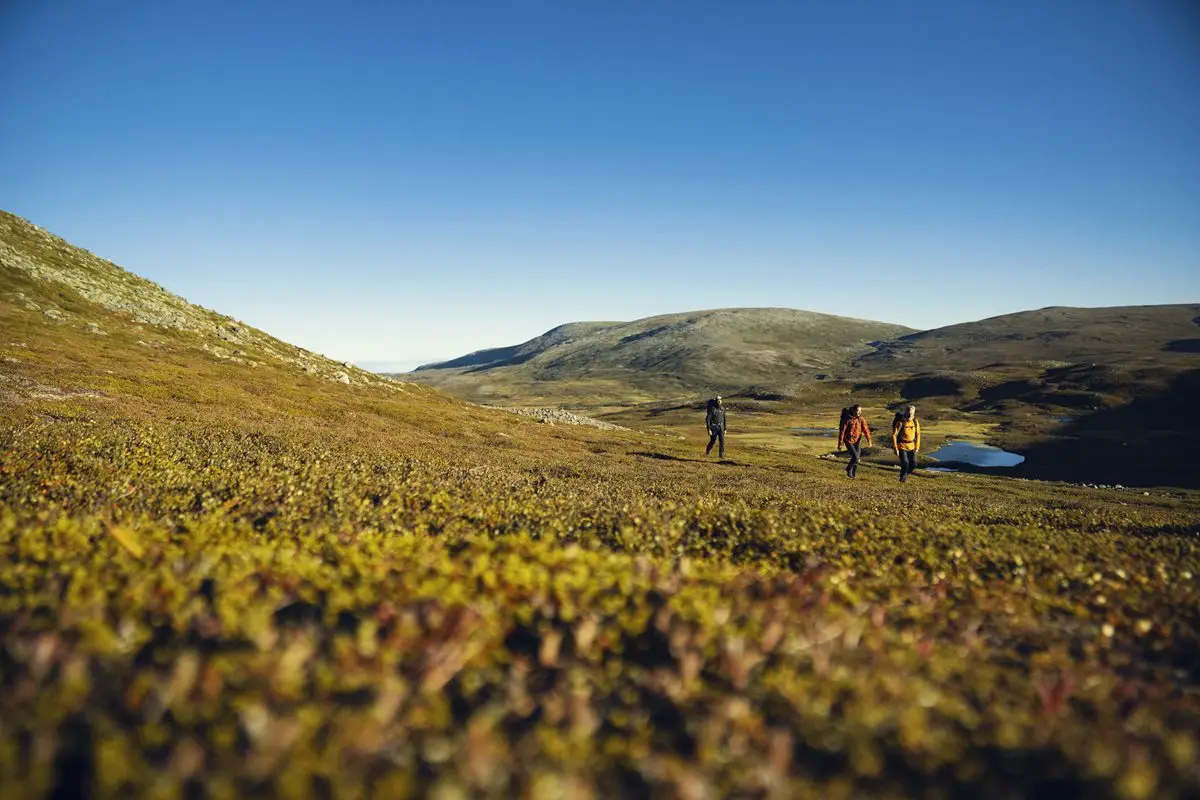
point(853, 430)
point(906, 438)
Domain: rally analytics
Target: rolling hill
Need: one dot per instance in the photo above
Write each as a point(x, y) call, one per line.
point(233, 568)
point(716, 351)
point(1126, 336)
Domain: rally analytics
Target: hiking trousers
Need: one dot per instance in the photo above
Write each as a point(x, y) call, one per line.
point(718, 434)
point(855, 449)
point(908, 463)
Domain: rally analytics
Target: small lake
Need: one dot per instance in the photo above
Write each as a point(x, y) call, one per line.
point(977, 455)
point(814, 431)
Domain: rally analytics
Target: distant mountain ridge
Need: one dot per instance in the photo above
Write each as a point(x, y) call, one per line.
point(1117, 336)
point(720, 350)
point(519, 353)
point(776, 350)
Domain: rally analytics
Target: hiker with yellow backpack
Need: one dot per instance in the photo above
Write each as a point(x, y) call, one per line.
point(906, 441)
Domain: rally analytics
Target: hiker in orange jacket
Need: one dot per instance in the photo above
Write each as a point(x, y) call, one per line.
point(906, 441)
point(851, 434)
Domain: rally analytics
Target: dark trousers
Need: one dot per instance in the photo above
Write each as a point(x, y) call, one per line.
point(908, 463)
point(855, 449)
point(717, 434)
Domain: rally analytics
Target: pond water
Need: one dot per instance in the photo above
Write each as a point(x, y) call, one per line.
point(977, 455)
point(815, 431)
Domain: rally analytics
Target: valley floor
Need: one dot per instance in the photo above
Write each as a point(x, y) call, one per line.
point(389, 602)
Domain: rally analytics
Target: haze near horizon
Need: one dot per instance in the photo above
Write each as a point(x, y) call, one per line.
point(410, 184)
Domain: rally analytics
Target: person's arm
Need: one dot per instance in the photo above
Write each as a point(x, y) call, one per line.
point(917, 431)
point(867, 432)
point(895, 433)
point(842, 434)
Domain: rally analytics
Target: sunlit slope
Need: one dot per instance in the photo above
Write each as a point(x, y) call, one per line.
point(78, 334)
point(51, 288)
point(722, 350)
point(1125, 336)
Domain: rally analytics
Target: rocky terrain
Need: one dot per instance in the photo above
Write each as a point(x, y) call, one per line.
point(559, 416)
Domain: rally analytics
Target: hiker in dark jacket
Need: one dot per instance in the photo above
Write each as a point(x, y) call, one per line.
point(714, 422)
point(852, 432)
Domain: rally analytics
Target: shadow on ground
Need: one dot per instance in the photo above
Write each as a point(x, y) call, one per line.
point(1149, 441)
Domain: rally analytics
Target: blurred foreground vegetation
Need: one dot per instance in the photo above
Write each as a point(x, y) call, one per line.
point(238, 608)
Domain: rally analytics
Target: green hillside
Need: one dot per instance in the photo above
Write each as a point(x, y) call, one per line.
point(1126, 336)
point(232, 568)
point(668, 356)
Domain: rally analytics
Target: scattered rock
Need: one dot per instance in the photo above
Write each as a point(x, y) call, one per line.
point(24, 300)
point(96, 329)
point(550, 416)
point(23, 389)
point(341, 377)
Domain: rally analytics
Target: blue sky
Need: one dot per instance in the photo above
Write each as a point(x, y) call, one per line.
point(403, 182)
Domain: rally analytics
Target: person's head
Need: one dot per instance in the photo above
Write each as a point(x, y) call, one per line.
point(910, 412)
point(856, 411)
point(717, 399)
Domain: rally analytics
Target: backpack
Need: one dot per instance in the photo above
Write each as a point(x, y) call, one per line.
point(847, 413)
point(854, 429)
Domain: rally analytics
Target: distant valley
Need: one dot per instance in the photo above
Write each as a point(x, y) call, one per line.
point(1065, 386)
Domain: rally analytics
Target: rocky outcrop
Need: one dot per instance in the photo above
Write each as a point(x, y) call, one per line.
point(553, 416)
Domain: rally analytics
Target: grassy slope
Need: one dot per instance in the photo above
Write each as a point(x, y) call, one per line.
point(671, 355)
point(1121, 336)
point(252, 579)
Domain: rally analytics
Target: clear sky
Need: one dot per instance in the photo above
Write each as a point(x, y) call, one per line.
point(408, 181)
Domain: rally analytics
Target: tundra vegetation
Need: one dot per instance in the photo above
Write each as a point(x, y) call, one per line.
point(226, 578)
point(1102, 395)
